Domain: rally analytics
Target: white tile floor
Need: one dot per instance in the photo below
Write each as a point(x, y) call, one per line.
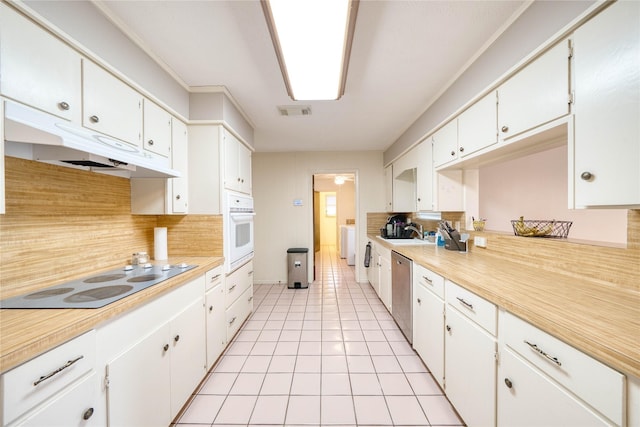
point(327, 355)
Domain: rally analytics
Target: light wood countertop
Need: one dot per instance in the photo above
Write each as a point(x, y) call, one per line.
point(27, 333)
point(601, 321)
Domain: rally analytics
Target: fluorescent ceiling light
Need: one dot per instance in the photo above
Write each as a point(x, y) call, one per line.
point(313, 41)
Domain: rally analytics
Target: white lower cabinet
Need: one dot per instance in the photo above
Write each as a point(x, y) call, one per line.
point(470, 369)
point(216, 327)
point(238, 298)
point(428, 320)
point(150, 382)
point(527, 397)
point(385, 276)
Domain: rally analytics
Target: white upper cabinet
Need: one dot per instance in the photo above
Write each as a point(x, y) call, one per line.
point(111, 106)
point(606, 169)
point(157, 129)
point(388, 188)
point(204, 163)
point(180, 162)
point(237, 164)
point(445, 144)
point(38, 69)
point(477, 126)
point(537, 94)
point(424, 176)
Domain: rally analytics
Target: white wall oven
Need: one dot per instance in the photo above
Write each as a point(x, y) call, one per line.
point(238, 230)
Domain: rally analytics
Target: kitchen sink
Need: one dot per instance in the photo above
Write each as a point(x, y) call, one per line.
point(405, 242)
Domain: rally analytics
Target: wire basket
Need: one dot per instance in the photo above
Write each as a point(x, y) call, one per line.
point(541, 228)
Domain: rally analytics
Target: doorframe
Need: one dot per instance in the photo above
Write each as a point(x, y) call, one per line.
point(310, 235)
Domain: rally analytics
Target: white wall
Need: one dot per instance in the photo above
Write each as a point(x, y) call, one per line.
point(280, 178)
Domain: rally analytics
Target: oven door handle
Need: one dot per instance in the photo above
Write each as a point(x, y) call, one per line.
point(242, 216)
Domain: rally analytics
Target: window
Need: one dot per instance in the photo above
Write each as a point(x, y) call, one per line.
point(330, 205)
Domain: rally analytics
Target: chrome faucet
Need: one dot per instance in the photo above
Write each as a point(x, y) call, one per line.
point(417, 230)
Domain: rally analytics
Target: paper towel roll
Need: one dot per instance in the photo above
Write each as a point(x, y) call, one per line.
point(160, 244)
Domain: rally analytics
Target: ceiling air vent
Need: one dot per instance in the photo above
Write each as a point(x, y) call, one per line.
point(294, 110)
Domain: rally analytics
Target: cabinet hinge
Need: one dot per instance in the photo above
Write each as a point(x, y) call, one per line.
point(570, 98)
point(106, 381)
point(570, 49)
point(496, 356)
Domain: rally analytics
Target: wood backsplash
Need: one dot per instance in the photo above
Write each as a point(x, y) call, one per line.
point(62, 223)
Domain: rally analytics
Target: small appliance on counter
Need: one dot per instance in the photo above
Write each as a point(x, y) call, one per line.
point(396, 228)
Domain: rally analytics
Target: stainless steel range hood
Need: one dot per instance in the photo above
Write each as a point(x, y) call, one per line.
point(54, 140)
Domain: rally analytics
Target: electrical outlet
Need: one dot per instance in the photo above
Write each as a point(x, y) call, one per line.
point(480, 242)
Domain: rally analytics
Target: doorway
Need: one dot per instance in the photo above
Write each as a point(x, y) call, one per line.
point(334, 213)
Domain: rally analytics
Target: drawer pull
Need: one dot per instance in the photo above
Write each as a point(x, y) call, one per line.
point(466, 304)
point(216, 277)
point(250, 298)
point(232, 320)
point(232, 288)
point(508, 382)
point(60, 369)
point(165, 347)
point(543, 353)
point(176, 338)
point(428, 280)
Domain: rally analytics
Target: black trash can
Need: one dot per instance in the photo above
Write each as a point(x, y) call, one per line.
point(297, 268)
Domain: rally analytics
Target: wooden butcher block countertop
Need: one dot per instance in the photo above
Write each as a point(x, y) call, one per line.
point(27, 333)
point(602, 321)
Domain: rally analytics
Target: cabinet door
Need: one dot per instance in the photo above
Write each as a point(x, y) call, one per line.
point(385, 278)
point(424, 176)
point(110, 106)
point(179, 162)
point(528, 398)
point(139, 387)
point(187, 353)
point(244, 168)
point(537, 94)
point(216, 328)
point(477, 126)
point(204, 169)
point(428, 330)
point(388, 188)
point(231, 161)
point(607, 108)
point(470, 370)
point(445, 144)
point(157, 129)
point(38, 69)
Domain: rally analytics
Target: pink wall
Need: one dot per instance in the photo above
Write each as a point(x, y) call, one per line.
point(535, 186)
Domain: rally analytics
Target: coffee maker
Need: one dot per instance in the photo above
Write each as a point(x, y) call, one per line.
point(395, 228)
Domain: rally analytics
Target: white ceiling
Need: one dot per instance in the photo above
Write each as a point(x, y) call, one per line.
point(405, 53)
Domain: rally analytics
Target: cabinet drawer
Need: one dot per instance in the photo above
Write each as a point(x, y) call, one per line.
point(474, 307)
point(213, 277)
point(41, 378)
point(238, 282)
point(238, 312)
point(430, 280)
point(595, 383)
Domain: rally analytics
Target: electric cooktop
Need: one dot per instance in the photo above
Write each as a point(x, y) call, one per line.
point(98, 290)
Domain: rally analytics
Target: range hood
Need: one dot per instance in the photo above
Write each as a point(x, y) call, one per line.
point(54, 140)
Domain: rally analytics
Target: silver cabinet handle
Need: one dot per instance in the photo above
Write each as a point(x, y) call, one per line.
point(505, 129)
point(508, 383)
point(586, 176)
point(541, 352)
point(250, 298)
point(63, 105)
point(461, 149)
point(231, 288)
point(250, 273)
point(453, 153)
point(466, 304)
point(150, 142)
point(232, 320)
point(176, 338)
point(216, 277)
point(166, 347)
point(94, 119)
point(428, 280)
point(57, 371)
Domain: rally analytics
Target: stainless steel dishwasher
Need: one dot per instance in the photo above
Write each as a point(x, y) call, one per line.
point(402, 293)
